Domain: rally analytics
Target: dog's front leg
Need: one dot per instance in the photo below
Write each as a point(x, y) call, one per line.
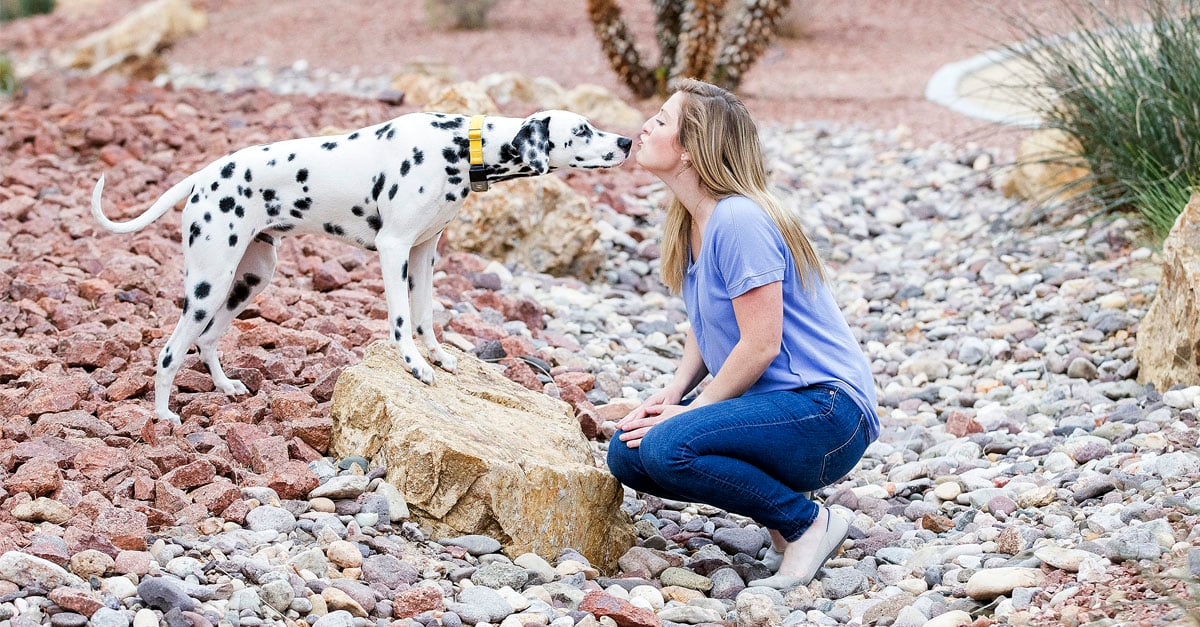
point(393, 256)
point(420, 283)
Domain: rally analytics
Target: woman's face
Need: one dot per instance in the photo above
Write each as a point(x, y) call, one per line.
point(658, 145)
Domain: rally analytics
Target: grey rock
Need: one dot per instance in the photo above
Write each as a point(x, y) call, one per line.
point(268, 517)
point(108, 617)
point(165, 593)
point(498, 575)
point(339, 618)
point(734, 540)
point(726, 584)
point(843, 582)
point(474, 544)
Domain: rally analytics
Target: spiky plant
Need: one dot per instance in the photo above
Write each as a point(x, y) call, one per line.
point(692, 38)
point(8, 78)
point(1125, 85)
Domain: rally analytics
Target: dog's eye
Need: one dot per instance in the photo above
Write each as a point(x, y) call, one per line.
point(660, 121)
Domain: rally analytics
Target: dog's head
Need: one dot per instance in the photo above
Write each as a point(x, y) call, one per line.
point(548, 140)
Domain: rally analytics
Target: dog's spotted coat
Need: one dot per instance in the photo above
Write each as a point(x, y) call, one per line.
point(392, 187)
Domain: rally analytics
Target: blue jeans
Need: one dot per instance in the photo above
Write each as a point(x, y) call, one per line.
point(752, 455)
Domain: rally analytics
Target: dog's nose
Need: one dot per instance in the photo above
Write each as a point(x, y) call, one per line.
point(625, 144)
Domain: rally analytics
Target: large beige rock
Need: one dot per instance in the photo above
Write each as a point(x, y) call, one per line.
point(603, 107)
point(478, 454)
point(539, 222)
point(1168, 339)
point(464, 98)
point(133, 42)
point(1048, 168)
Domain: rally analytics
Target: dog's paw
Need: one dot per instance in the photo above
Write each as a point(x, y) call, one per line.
point(423, 372)
point(444, 360)
point(231, 387)
point(168, 416)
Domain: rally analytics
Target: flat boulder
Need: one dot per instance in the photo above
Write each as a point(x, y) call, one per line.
point(475, 453)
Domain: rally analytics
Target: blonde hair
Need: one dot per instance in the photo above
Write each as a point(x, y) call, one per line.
point(717, 132)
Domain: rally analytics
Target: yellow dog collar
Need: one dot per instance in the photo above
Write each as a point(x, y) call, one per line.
point(478, 174)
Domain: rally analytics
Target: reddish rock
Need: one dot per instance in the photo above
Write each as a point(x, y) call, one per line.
point(292, 480)
point(36, 477)
point(298, 449)
point(330, 276)
point(315, 431)
point(474, 325)
point(194, 381)
point(460, 263)
point(960, 424)
point(72, 424)
point(48, 400)
point(240, 438)
point(132, 563)
point(236, 512)
point(517, 345)
point(90, 353)
point(168, 498)
point(83, 602)
point(414, 601)
point(936, 523)
point(526, 310)
point(125, 528)
point(143, 488)
point(268, 453)
point(165, 458)
point(94, 289)
point(127, 385)
point(583, 380)
point(50, 548)
point(191, 475)
point(521, 372)
point(625, 614)
point(589, 421)
point(100, 461)
point(216, 496)
point(293, 405)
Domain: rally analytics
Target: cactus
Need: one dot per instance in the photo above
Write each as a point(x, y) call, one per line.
point(8, 78)
point(690, 41)
point(13, 9)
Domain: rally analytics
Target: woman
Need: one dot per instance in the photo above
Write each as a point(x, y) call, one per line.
point(790, 407)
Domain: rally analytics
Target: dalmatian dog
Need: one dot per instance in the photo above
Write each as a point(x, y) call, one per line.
point(392, 187)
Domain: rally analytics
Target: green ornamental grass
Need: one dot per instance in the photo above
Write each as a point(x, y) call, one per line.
point(13, 9)
point(1126, 84)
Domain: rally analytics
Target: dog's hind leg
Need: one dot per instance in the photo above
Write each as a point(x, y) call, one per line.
point(420, 282)
point(252, 276)
point(204, 298)
point(394, 257)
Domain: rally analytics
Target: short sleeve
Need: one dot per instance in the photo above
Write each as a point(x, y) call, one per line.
point(748, 248)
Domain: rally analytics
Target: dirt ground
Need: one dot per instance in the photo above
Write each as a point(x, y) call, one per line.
point(861, 62)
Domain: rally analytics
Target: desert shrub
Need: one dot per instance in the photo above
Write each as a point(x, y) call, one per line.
point(1126, 84)
point(8, 78)
point(13, 9)
point(458, 14)
point(696, 38)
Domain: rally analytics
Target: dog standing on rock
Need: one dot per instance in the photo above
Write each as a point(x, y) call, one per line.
point(392, 187)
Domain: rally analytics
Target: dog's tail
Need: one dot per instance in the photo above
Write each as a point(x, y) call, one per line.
point(164, 204)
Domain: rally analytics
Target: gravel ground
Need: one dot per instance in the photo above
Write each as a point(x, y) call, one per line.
point(1022, 475)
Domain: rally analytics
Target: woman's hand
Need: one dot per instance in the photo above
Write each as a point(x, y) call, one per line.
point(635, 425)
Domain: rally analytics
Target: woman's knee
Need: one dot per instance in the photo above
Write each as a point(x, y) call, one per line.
point(623, 461)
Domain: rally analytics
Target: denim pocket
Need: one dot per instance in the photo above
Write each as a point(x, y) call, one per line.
point(843, 458)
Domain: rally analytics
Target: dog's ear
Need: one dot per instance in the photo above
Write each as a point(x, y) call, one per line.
point(532, 143)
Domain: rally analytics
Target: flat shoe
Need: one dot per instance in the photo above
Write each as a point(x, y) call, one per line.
point(836, 530)
point(772, 559)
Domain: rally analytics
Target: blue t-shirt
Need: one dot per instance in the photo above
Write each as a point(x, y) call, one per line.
point(741, 249)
